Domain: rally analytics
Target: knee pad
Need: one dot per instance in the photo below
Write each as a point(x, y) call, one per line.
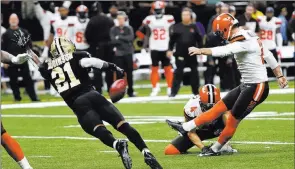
point(171, 150)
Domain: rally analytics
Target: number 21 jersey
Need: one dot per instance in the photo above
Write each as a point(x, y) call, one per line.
point(67, 76)
point(159, 28)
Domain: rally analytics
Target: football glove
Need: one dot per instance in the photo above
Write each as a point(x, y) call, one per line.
point(21, 40)
point(20, 58)
point(115, 68)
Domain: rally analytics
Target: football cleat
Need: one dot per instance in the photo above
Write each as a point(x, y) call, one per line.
point(122, 148)
point(151, 161)
point(208, 152)
point(155, 91)
point(176, 126)
point(227, 149)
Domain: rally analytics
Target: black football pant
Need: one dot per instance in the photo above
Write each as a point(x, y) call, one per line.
point(126, 62)
point(13, 73)
point(181, 63)
point(92, 109)
point(244, 98)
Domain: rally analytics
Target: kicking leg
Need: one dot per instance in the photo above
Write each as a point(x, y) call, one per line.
point(220, 107)
point(13, 149)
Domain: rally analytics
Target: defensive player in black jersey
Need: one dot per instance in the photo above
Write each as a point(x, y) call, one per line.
point(207, 97)
point(67, 70)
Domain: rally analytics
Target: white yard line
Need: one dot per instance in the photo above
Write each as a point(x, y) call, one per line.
point(155, 118)
point(40, 156)
point(134, 100)
point(150, 141)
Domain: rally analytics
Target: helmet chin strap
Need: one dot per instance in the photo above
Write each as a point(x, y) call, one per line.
point(82, 20)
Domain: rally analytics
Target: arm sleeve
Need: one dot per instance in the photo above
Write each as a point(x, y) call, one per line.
point(270, 59)
point(129, 37)
point(6, 57)
point(172, 35)
point(44, 20)
point(230, 49)
point(92, 62)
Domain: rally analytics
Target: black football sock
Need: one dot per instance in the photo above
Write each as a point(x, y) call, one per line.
point(133, 136)
point(104, 135)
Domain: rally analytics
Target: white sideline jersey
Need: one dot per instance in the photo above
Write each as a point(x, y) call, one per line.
point(78, 32)
point(249, 53)
point(159, 38)
point(63, 27)
point(268, 31)
point(193, 108)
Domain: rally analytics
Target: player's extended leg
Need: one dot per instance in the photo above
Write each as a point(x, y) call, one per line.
point(113, 116)
point(251, 96)
point(92, 124)
point(14, 149)
point(155, 73)
point(210, 115)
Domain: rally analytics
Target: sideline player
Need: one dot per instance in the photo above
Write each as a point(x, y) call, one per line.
point(11, 145)
point(270, 34)
point(67, 71)
point(250, 55)
point(208, 96)
point(156, 28)
point(79, 27)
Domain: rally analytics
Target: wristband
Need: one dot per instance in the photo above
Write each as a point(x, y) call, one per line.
point(280, 77)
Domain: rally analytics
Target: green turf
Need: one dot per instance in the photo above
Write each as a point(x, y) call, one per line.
point(87, 154)
point(8, 98)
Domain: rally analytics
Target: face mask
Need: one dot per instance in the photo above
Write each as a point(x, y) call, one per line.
point(63, 17)
point(114, 15)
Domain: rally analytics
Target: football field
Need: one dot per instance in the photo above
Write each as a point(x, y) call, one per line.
point(51, 137)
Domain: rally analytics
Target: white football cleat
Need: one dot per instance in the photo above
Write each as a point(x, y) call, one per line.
point(168, 91)
point(155, 91)
point(227, 148)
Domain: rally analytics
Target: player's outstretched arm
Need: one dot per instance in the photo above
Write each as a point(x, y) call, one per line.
point(9, 58)
point(99, 64)
point(220, 51)
point(276, 68)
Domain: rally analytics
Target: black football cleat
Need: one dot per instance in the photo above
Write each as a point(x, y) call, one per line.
point(122, 148)
point(208, 152)
point(151, 161)
point(176, 126)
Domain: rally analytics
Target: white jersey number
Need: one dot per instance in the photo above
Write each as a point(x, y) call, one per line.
point(61, 83)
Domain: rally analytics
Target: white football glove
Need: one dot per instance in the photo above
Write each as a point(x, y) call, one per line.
point(20, 58)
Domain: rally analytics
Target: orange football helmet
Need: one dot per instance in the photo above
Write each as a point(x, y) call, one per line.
point(222, 25)
point(158, 8)
point(82, 13)
point(209, 94)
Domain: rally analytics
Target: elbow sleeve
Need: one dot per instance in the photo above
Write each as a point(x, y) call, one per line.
point(91, 62)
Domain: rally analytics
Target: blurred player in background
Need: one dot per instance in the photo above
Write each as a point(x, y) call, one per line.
point(250, 54)
point(62, 25)
point(156, 28)
point(208, 96)
point(114, 13)
point(79, 27)
point(11, 145)
point(270, 33)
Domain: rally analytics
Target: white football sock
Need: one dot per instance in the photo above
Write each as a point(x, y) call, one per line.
point(24, 164)
point(114, 144)
point(216, 146)
point(188, 126)
point(145, 150)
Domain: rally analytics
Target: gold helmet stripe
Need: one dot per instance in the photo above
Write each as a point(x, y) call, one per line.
point(57, 46)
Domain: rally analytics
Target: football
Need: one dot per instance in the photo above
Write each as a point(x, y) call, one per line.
point(118, 90)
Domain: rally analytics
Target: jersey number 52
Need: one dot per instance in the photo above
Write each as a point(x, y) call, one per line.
point(65, 77)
